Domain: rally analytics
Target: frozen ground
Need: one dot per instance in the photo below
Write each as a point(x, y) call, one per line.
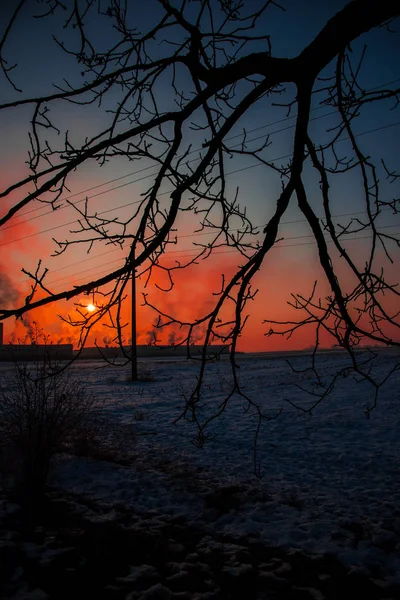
point(330, 481)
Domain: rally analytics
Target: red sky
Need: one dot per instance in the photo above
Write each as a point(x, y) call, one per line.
point(191, 297)
point(287, 270)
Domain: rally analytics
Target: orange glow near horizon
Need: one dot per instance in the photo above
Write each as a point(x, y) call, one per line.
point(195, 293)
point(192, 297)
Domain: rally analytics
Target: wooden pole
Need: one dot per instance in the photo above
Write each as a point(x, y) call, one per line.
point(133, 326)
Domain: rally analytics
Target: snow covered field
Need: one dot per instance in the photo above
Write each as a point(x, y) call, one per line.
point(330, 481)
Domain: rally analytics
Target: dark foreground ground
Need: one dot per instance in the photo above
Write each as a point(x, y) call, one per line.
point(85, 550)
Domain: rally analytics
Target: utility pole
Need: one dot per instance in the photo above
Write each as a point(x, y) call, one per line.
point(133, 322)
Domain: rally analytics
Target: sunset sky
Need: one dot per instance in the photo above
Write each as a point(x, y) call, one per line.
point(114, 188)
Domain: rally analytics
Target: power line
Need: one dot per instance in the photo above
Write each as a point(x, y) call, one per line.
point(182, 250)
point(275, 247)
point(144, 169)
point(169, 191)
point(43, 214)
point(278, 121)
point(201, 234)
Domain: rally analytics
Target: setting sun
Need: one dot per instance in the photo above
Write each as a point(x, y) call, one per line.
point(91, 307)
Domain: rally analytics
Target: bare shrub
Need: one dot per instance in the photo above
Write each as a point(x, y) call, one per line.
point(42, 407)
point(146, 376)
point(102, 438)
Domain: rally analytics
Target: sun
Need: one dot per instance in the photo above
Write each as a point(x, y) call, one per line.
point(91, 307)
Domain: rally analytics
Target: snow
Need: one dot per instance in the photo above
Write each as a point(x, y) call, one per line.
point(330, 480)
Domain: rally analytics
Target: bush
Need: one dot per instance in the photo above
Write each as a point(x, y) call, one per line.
point(41, 408)
point(104, 439)
point(146, 376)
